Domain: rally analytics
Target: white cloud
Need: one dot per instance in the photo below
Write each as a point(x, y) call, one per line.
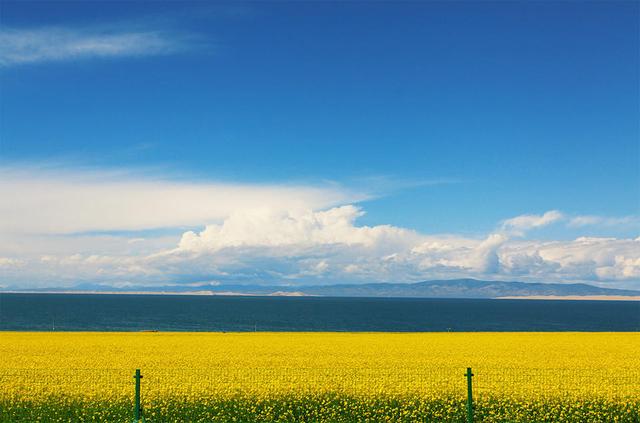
point(8, 262)
point(40, 201)
point(329, 246)
point(591, 220)
point(520, 224)
point(485, 257)
point(303, 228)
point(578, 221)
point(23, 46)
point(603, 261)
point(262, 234)
point(622, 268)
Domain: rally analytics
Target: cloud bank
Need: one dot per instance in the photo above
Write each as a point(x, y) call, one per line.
point(328, 245)
point(61, 228)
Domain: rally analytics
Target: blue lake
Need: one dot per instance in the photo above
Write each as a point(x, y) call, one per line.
point(74, 312)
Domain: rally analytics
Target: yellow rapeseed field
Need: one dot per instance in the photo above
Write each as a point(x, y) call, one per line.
point(210, 368)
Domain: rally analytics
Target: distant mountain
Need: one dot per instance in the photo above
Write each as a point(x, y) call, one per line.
point(456, 288)
point(464, 288)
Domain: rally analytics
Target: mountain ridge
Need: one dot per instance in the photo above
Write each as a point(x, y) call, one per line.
point(447, 288)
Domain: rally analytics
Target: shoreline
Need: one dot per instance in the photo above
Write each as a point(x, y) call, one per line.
point(573, 297)
point(302, 294)
point(186, 293)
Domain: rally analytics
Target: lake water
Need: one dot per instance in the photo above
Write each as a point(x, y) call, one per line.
point(72, 312)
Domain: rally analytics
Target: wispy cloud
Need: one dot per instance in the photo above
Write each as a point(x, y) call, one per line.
point(24, 46)
point(519, 224)
point(592, 220)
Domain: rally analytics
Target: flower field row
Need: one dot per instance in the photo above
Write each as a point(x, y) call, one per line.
point(331, 377)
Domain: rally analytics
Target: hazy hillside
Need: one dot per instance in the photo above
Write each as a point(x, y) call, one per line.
point(457, 288)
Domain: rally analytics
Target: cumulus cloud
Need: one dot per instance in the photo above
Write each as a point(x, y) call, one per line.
point(485, 257)
point(303, 228)
point(23, 46)
point(329, 247)
point(57, 230)
point(622, 268)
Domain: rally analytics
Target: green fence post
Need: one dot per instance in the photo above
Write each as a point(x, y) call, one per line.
point(469, 375)
point(137, 411)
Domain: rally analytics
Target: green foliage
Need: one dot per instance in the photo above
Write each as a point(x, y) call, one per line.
point(325, 407)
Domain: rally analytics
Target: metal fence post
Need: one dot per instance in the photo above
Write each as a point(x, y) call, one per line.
point(469, 375)
point(137, 411)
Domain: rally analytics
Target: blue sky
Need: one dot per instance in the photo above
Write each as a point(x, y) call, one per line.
point(436, 118)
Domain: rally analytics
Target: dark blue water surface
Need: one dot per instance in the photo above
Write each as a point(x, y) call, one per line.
point(69, 312)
